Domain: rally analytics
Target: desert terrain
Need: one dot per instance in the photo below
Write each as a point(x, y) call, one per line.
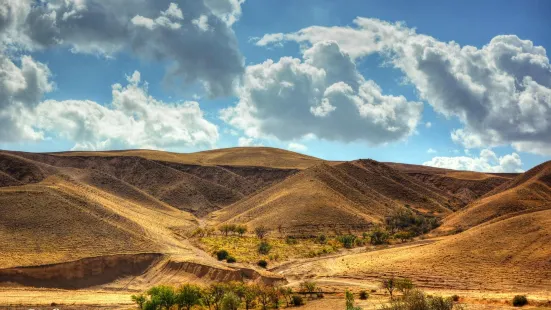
point(87, 230)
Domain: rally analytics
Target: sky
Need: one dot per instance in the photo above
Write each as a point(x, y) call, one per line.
point(462, 85)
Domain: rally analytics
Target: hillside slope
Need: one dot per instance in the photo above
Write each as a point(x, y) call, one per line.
point(483, 258)
point(236, 156)
point(528, 192)
point(350, 195)
point(465, 185)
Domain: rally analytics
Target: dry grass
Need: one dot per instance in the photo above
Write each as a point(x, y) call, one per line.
point(244, 249)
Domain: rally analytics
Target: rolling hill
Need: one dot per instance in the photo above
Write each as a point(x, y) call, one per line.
point(350, 195)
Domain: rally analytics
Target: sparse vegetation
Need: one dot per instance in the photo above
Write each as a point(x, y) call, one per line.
point(379, 236)
point(262, 263)
point(404, 285)
point(296, 300)
point(264, 247)
point(291, 240)
point(308, 287)
point(230, 259)
point(348, 241)
point(520, 300)
point(406, 221)
point(364, 295)
point(389, 285)
point(417, 300)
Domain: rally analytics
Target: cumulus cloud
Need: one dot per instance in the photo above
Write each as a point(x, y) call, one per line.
point(428, 124)
point(168, 31)
point(501, 92)
point(488, 161)
point(323, 95)
point(431, 151)
point(293, 146)
point(133, 120)
point(21, 89)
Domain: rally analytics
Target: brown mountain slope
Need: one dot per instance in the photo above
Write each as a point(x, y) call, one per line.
point(350, 195)
point(465, 185)
point(194, 188)
point(528, 192)
point(508, 256)
point(237, 156)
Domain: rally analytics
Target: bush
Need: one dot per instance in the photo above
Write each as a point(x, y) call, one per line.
point(364, 295)
point(520, 300)
point(222, 254)
point(264, 247)
point(230, 301)
point(404, 236)
point(308, 287)
point(262, 263)
point(322, 239)
point(241, 230)
point(406, 220)
point(291, 240)
point(230, 259)
point(417, 300)
point(404, 285)
point(348, 241)
point(455, 298)
point(350, 301)
point(296, 300)
point(379, 236)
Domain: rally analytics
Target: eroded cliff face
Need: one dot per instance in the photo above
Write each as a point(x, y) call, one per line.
point(129, 271)
point(81, 273)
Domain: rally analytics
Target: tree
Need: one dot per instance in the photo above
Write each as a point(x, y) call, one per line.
point(222, 254)
point(274, 297)
point(403, 235)
point(261, 231)
point(163, 295)
point(379, 236)
point(348, 241)
point(241, 230)
point(404, 285)
point(212, 297)
point(350, 301)
point(230, 301)
point(389, 285)
point(139, 299)
point(287, 294)
point(188, 295)
point(264, 297)
point(308, 287)
point(250, 295)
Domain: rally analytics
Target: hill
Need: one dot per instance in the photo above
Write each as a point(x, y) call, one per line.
point(528, 192)
point(349, 195)
point(236, 156)
point(465, 185)
point(508, 256)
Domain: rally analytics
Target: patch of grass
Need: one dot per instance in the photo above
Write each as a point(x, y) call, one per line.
point(245, 249)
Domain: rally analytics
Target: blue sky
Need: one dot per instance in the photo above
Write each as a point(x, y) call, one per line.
point(82, 72)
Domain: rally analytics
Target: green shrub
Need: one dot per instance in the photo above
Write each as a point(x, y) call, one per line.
point(455, 298)
point(261, 231)
point(404, 285)
point(264, 247)
point(241, 230)
point(187, 296)
point(262, 263)
point(230, 259)
point(230, 301)
point(350, 301)
point(348, 241)
point(222, 254)
point(296, 300)
point(291, 240)
point(379, 236)
point(520, 300)
point(364, 295)
point(308, 287)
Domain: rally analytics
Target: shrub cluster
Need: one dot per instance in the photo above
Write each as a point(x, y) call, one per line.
point(223, 296)
point(520, 300)
point(417, 300)
point(408, 222)
point(227, 229)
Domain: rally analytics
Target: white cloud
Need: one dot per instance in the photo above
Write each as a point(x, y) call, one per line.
point(501, 92)
point(487, 161)
point(321, 95)
point(202, 22)
point(245, 141)
point(428, 124)
point(431, 151)
point(170, 32)
point(133, 120)
point(21, 89)
point(297, 147)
